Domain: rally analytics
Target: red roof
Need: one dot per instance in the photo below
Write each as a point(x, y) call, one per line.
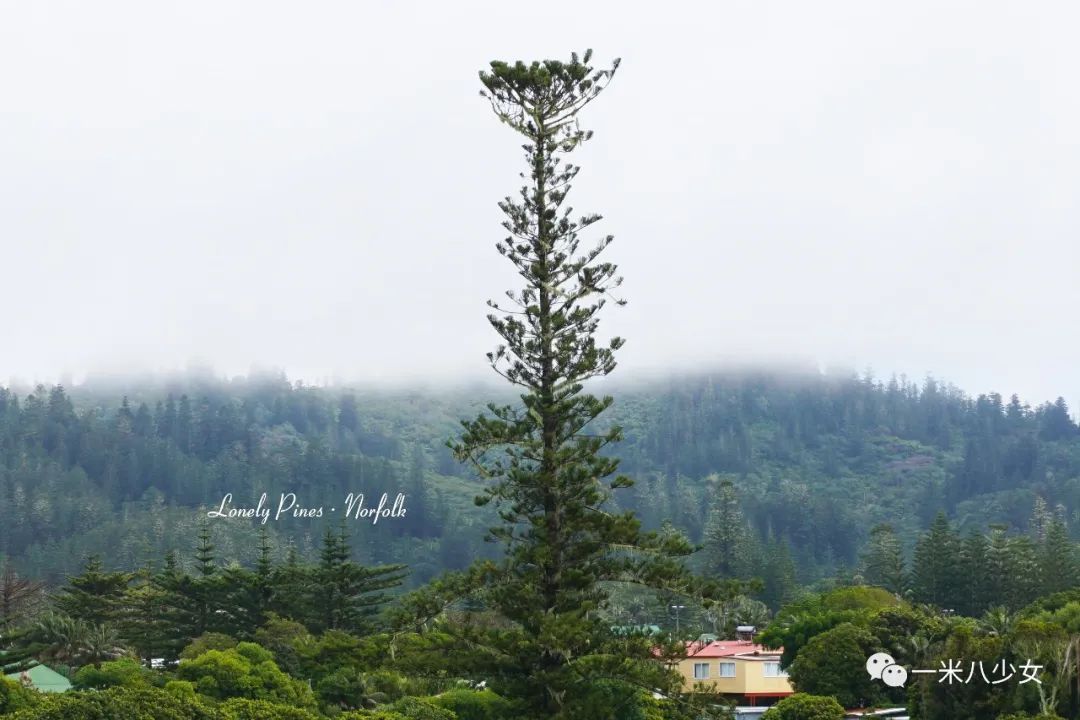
point(729, 648)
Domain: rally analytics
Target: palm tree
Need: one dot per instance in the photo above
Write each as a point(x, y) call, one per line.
point(367, 696)
point(920, 648)
point(997, 622)
point(101, 643)
point(74, 642)
point(62, 637)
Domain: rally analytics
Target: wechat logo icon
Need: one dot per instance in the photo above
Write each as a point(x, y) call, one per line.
point(882, 666)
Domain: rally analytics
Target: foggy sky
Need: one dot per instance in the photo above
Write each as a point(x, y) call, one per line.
point(313, 186)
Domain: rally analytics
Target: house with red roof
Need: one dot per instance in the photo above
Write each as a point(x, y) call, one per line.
point(741, 670)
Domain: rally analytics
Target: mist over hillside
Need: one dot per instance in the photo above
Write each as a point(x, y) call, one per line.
point(126, 468)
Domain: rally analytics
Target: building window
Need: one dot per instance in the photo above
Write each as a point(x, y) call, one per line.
point(727, 669)
point(701, 671)
point(772, 669)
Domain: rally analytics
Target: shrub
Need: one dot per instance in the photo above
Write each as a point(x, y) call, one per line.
point(14, 696)
point(181, 689)
point(246, 671)
point(124, 672)
point(246, 709)
point(118, 703)
point(801, 706)
point(421, 709)
point(207, 641)
point(475, 704)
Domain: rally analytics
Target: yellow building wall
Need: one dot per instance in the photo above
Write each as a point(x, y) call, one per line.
point(749, 678)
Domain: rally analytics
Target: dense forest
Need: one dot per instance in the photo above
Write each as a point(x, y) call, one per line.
point(813, 464)
point(855, 515)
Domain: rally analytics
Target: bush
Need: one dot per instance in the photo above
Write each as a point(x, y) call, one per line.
point(117, 703)
point(834, 664)
point(14, 696)
point(246, 671)
point(181, 689)
point(288, 640)
point(207, 641)
point(245, 709)
point(801, 706)
point(614, 700)
point(421, 709)
point(474, 704)
point(349, 690)
point(125, 672)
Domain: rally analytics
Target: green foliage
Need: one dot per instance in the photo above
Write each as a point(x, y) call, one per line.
point(727, 533)
point(125, 672)
point(420, 709)
point(883, 560)
point(802, 706)
point(115, 703)
point(796, 449)
point(347, 689)
point(934, 577)
point(1057, 560)
point(14, 696)
point(344, 594)
point(372, 715)
point(904, 631)
point(181, 689)
point(247, 709)
point(549, 479)
point(246, 671)
point(964, 701)
point(288, 640)
point(798, 622)
point(72, 641)
point(834, 663)
point(612, 700)
point(475, 704)
point(208, 641)
point(94, 596)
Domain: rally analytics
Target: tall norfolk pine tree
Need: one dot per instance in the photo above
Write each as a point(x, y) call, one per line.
point(548, 478)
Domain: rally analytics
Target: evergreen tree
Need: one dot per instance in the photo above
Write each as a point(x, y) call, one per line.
point(1023, 563)
point(883, 561)
point(1041, 519)
point(778, 576)
point(144, 624)
point(1057, 560)
point(204, 553)
point(1057, 424)
point(1012, 569)
point(293, 584)
point(934, 578)
point(543, 460)
point(419, 521)
point(973, 593)
point(94, 596)
point(346, 595)
point(725, 531)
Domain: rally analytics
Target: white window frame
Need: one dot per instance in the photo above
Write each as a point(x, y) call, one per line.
point(705, 674)
point(779, 673)
point(729, 667)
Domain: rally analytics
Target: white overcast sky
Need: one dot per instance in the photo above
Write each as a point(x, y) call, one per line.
point(312, 185)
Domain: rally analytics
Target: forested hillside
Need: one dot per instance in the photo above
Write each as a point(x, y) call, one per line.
point(794, 471)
